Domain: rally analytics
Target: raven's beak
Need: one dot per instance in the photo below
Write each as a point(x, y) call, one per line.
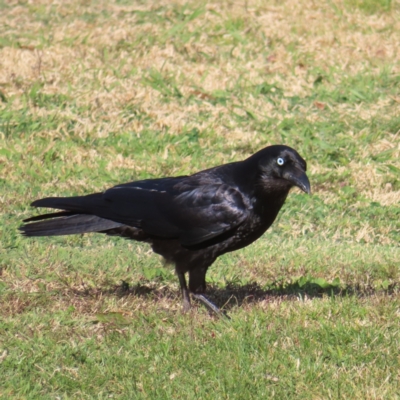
point(299, 179)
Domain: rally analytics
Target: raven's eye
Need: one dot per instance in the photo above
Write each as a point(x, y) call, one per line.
point(280, 161)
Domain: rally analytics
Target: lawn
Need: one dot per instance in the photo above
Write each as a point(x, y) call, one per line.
point(96, 93)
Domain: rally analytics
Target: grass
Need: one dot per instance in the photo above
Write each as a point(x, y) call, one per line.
point(98, 93)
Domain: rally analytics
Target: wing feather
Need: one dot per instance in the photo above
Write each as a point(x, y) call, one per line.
point(192, 213)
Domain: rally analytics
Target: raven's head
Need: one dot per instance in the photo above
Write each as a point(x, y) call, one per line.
point(282, 166)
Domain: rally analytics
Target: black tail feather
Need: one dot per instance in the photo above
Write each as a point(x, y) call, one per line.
point(66, 225)
point(77, 204)
point(51, 215)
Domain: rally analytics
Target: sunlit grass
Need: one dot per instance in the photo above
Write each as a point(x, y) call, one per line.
point(97, 93)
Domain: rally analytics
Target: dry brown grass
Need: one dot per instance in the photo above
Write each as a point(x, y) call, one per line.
point(321, 37)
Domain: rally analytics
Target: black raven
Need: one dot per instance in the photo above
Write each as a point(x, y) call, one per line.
point(189, 220)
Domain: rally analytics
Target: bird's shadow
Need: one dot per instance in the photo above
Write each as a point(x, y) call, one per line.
point(238, 295)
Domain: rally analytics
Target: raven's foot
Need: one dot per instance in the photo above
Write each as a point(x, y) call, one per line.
point(185, 292)
point(210, 305)
point(186, 304)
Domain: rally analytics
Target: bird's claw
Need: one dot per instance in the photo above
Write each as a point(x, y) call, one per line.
point(210, 305)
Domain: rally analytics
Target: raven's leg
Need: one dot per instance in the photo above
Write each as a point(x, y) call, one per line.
point(197, 285)
point(185, 291)
point(197, 280)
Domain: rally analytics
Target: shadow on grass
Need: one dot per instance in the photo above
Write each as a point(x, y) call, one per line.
point(236, 295)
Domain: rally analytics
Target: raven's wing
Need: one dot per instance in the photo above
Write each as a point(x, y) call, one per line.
point(192, 213)
point(192, 209)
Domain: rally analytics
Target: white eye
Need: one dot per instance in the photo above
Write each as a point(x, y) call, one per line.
point(280, 161)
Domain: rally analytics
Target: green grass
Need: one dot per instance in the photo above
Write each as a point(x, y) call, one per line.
point(99, 93)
